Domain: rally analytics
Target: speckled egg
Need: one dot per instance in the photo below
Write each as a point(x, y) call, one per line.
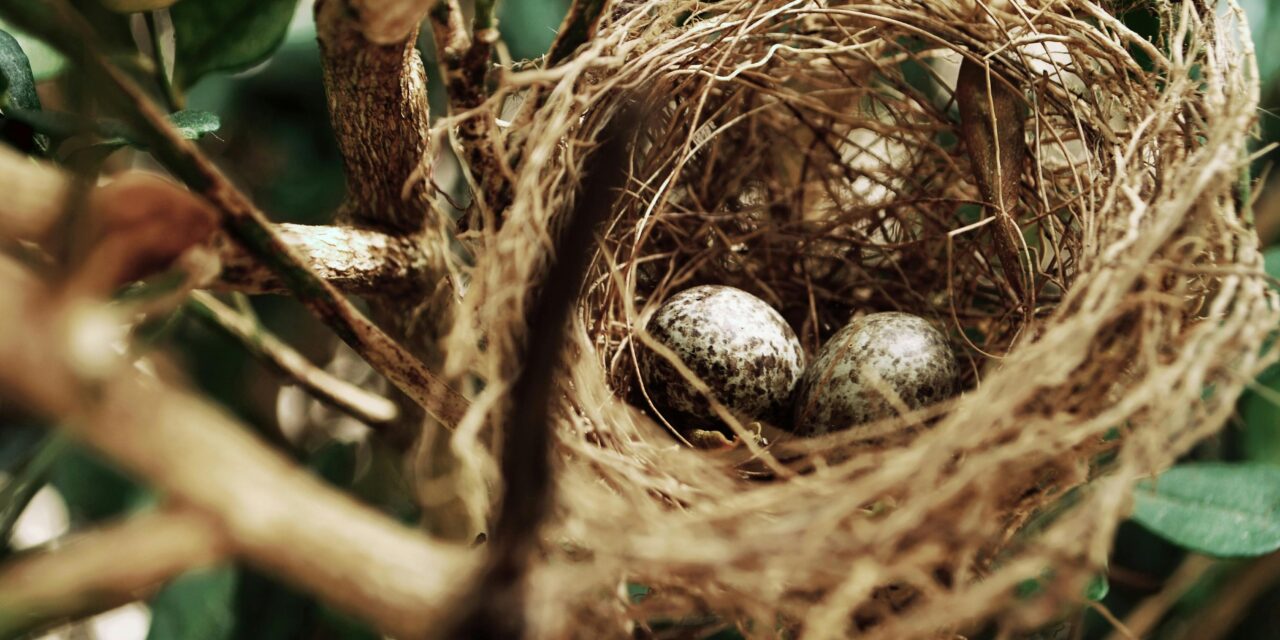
point(735, 342)
point(909, 355)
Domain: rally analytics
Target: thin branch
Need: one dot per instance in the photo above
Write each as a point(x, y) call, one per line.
point(278, 516)
point(578, 28)
point(362, 405)
point(495, 604)
point(62, 26)
point(105, 568)
point(465, 62)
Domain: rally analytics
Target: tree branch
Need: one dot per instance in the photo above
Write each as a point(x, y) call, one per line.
point(277, 515)
point(105, 568)
point(378, 103)
point(362, 405)
point(464, 63)
point(361, 75)
point(356, 261)
point(58, 23)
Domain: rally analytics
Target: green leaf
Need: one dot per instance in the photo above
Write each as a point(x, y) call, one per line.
point(196, 606)
point(59, 125)
point(18, 92)
point(1225, 510)
point(16, 80)
point(44, 61)
point(1098, 588)
point(226, 35)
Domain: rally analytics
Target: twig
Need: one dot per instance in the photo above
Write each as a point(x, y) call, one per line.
point(578, 27)
point(62, 26)
point(464, 63)
point(105, 568)
point(362, 405)
point(1220, 617)
point(277, 516)
point(993, 128)
point(1144, 618)
point(495, 609)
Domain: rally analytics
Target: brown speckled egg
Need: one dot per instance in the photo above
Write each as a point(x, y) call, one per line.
point(735, 342)
point(909, 354)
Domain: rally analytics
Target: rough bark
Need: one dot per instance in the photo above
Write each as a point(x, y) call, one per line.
point(378, 106)
point(356, 261)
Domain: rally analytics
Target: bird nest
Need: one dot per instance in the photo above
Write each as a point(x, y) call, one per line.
point(811, 153)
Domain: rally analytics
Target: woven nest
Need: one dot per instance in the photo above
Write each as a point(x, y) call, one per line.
point(810, 153)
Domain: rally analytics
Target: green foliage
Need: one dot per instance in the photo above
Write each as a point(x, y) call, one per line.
point(112, 135)
point(17, 91)
point(226, 35)
point(190, 124)
point(196, 606)
point(17, 83)
point(1226, 510)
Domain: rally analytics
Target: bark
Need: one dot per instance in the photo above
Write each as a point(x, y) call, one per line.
point(356, 261)
point(378, 106)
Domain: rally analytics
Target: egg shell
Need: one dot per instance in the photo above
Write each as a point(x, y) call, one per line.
point(736, 343)
point(911, 357)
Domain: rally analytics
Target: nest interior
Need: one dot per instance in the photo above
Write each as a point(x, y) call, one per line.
point(810, 153)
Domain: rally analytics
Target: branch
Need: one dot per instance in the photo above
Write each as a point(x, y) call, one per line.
point(390, 21)
point(59, 24)
point(578, 28)
point(278, 516)
point(356, 261)
point(105, 568)
point(464, 63)
point(362, 405)
point(361, 77)
point(378, 107)
point(993, 127)
point(495, 604)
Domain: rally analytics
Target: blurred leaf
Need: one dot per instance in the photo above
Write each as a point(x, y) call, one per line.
point(226, 35)
point(1226, 510)
point(17, 91)
point(134, 6)
point(111, 135)
point(196, 606)
point(16, 80)
point(1098, 588)
point(191, 125)
point(45, 62)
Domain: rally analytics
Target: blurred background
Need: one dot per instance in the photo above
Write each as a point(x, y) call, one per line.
point(275, 142)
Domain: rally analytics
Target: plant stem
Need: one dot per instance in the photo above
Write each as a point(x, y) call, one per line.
point(173, 96)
